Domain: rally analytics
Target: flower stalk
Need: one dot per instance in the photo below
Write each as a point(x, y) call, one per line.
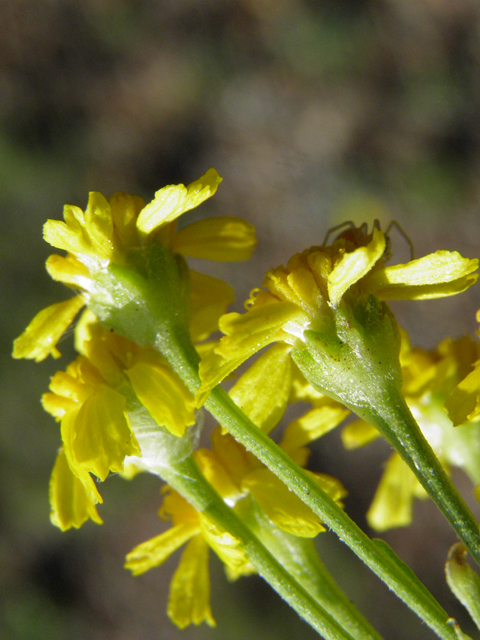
point(186, 478)
point(357, 363)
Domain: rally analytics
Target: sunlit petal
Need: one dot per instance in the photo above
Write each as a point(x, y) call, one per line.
point(281, 505)
point(439, 274)
point(358, 433)
point(40, 338)
point(189, 599)
point(209, 299)
point(312, 425)
point(164, 395)
point(172, 201)
point(263, 390)
point(393, 501)
point(223, 239)
point(154, 552)
point(100, 434)
point(70, 504)
point(353, 266)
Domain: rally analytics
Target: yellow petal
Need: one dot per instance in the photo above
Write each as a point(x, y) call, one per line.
point(232, 455)
point(83, 330)
point(262, 392)
point(281, 505)
point(154, 552)
point(164, 395)
point(314, 424)
point(71, 384)
point(246, 334)
point(354, 266)
point(40, 338)
point(98, 436)
point(70, 235)
point(228, 548)
point(463, 403)
point(172, 201)
point(56, 405)
point(99, 225)
point(70, 504)
point(68, 270)
point(103, 352)
point(392, 504)
point(189, 599)
point(176, 508)
point(222, 239)
point(358, 433)
point(217, 474)
point(125, 209)
point(303, 390)
point(209, 299)
point(304, 286)
point(439, 274)
point(129, 470)
point(80, 472)
point(330, 485)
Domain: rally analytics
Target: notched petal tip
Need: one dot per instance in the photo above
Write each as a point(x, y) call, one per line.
point(174, 200)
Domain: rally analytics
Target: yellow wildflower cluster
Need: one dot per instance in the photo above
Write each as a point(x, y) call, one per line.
point(91, 398)
point(127, 401)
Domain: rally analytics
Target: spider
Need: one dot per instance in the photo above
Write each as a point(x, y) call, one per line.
point(357, 235)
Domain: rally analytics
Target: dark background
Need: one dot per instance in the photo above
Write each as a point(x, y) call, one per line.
point(313, 113)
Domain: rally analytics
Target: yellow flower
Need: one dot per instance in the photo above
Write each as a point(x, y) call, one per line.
point(262, 393)
point(306, 295)
point(92, 399)
point(109, 232)
point(239, 478)
point(189, 600)
point(463, 404)
point(428, 378)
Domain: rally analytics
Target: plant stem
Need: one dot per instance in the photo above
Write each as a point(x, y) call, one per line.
point(186, 478)
point(184, 359)
point(396, 423)
point(300, 558)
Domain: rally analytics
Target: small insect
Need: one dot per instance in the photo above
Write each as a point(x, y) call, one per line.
point(359, 236)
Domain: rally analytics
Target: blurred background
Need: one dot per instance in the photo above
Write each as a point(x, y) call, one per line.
point(314, 112)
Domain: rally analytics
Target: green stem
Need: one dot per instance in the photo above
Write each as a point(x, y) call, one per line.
point(184, 359)
point(186, 478)
point(396, 423)
point(300, 558)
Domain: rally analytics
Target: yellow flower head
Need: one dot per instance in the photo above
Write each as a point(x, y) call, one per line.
point(305, 295)
point(96, 400)
point(189, 600)
point(109, 232)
